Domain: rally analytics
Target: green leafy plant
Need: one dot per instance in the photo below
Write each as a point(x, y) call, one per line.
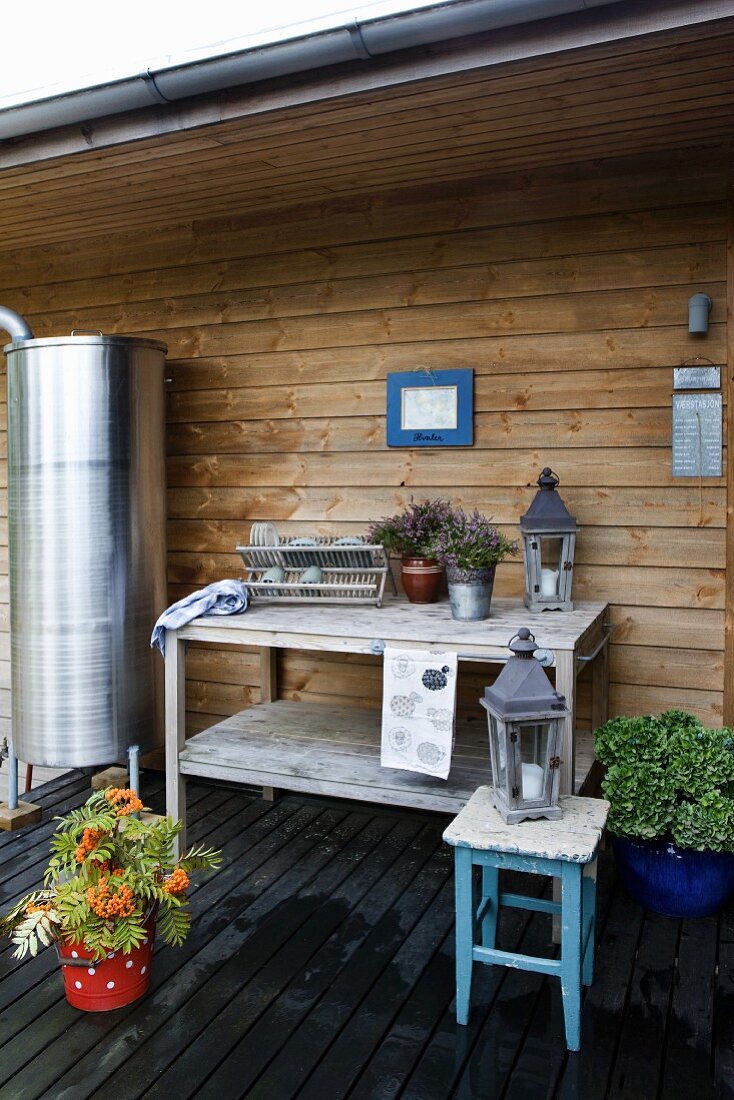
point(109, 871)
point(669, 776)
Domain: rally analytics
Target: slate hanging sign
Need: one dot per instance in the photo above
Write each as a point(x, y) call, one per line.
point(697, 378)
point(697, 435)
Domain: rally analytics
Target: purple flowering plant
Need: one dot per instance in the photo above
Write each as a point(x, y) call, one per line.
point(412, 533)
point(469, 540)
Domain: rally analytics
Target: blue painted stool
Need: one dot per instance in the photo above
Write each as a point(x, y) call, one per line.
point(566, 849)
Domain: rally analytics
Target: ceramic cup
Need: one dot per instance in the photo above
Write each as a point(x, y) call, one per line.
point(276, 575)
point(312, 575)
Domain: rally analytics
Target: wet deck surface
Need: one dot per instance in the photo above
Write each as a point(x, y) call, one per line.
point(320, 966)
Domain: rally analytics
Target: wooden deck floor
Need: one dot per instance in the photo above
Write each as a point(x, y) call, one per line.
point(320, 966)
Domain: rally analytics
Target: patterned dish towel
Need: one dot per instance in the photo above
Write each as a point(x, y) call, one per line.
point(418, 708)
point(220, 598)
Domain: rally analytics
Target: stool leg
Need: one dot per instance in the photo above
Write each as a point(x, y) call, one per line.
point(571, 952)
point(491, 890)
point(464, 931)
point(589, 908)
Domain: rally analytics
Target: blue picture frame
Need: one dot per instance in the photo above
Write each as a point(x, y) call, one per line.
point(427, 408)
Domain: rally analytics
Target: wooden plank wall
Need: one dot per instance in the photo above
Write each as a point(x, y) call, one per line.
point(566, 290)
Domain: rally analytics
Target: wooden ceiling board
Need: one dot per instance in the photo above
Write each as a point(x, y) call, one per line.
point(579, 105)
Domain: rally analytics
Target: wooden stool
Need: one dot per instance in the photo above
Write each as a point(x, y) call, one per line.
point(566, 849)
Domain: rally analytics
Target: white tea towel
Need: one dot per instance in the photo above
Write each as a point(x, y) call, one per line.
point(418, 709)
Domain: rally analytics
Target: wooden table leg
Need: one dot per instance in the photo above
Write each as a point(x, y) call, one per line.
point(268, 693)
point(175, 694)
point(566, 685)
point(600, 688)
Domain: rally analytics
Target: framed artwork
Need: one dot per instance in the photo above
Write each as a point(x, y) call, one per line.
point(428, 408)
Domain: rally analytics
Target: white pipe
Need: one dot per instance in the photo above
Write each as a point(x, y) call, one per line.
point(355, 42)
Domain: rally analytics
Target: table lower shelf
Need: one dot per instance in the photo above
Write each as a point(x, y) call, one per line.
point(331, 750)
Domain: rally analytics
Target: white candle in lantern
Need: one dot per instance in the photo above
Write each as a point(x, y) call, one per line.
point(532, 781)
point(549, 582)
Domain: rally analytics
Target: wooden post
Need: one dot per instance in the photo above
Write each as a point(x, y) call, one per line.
point(728, 713)
point(268, 694)
point(175, 684)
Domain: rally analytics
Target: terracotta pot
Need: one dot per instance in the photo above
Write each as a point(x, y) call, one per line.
point(109, 983)
point(422, 579)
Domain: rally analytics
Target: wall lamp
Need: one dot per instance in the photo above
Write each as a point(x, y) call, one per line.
point(699, 307)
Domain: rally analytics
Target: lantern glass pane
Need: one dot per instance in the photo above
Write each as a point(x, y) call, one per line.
point(550, 565)
point(497, 733)
point(534, 755)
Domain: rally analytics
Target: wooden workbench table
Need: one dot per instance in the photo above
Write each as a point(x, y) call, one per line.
point(335, 750)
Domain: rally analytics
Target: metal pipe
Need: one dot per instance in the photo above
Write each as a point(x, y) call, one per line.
point(12, 778)
point(356, 41)
point(609, 629)
point(12, 323)
point(133, 770)
point(133, 758)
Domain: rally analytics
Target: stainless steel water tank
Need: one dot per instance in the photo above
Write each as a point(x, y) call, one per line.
point(87, 544)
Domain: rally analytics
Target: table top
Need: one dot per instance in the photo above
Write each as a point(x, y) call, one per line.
point(573, 838)
point(396, 622)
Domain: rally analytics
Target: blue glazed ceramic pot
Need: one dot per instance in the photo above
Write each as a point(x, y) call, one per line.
point(677, 882)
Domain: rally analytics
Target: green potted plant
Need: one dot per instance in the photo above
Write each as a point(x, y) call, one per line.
point(471, 547)
point(670, 783)
point(110, 884)
point(411, 534)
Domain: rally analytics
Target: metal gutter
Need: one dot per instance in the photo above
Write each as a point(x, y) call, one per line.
point(358, 41)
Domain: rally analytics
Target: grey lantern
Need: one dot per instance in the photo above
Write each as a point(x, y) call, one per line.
point(549, 541)
point(526, 722)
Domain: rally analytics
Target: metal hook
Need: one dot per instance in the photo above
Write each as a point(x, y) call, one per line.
point(698, 359)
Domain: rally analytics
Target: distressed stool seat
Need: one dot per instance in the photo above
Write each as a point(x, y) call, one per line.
point(566, 849)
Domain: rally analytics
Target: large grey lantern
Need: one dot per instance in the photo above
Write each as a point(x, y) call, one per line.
point(526, 720)
point(549, 541)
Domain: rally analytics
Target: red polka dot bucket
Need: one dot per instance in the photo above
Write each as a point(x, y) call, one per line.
point(107, 983)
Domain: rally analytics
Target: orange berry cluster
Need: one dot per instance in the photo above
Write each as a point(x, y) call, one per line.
point(125, 800)
point(90, 840)
point(38, 907)
point(109, 905)
point(177, 882)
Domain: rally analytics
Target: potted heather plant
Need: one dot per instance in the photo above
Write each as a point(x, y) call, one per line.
point(110, 884)
point(670, 783)
point(471, 547)
point(412, 534)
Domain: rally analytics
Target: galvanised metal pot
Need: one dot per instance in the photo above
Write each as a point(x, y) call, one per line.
point(470, 592)
point(87, 543)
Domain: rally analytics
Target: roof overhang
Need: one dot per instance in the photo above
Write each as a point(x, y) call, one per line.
point(459, 37)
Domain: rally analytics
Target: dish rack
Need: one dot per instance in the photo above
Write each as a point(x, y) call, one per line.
point(350, 573)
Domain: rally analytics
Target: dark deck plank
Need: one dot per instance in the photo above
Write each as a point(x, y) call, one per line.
point(93, 1048)
point(242, 1038)
point(320, 967)
point(724, 1010)
point(689, 1038)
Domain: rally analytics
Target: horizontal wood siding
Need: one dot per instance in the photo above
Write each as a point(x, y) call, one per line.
point(566, 291)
